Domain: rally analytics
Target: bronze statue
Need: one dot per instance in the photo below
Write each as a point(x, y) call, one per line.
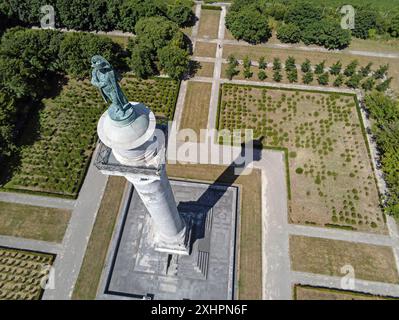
point(104, 78)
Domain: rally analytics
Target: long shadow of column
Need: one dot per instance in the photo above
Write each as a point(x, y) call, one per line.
point(220, 186)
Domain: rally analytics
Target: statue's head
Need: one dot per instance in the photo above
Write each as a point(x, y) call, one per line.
point(98, 62)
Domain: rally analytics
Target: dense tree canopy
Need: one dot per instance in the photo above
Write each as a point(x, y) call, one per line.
point(92, 15)
point(327, 33)
point(77, 49)
point(159, 45)
point(289, 33)
point(180, 14)
point(384, 112)
point(303, 14)
point(174, 60)
point(249, 25)
point(393, 27)
point(7, 113)
point(365, 20)
point(27, 59)
point(133, 10)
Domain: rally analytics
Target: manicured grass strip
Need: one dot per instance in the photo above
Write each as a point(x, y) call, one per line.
point(204, 49)
point(196, 107)
point(250, 246)
point(325, 256)
point(205, 69)
point(90, 272)
point(32, 222)
point(209, 24)
point(302, 292)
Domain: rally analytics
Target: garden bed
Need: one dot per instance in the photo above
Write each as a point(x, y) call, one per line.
point(57, 143)
point(21, 274)
point(331, 178)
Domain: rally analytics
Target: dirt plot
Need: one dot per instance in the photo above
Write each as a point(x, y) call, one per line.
point(324, 256)
point(331, 178)
point(316, 293)
point(32, 222)
point(255, 52)
point(209, 24)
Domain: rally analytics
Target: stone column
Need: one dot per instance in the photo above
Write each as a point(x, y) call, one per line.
point(135, 145)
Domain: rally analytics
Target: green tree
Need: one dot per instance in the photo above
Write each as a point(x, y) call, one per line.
point(351, 68)
point(262, 75)
point(231, 70)
point(288, 33)
point(76, 50)
point(303, 14)
point(141, 61)
point(292, 75)
point(308, 77)
point(248, 73)
point(323, 79)
point(339, 80)
point(381, 71)
point(262, 63)
point(276, 64)
point(290, 64)
point(157, 32)
point(336, 68)
point(28, 59)
point(181, 14)
point(354, 81)
point(174, 60)
point(131, 11)
point(327, 33)
point(384, 86)
point(249, 25)
point(319, 69)
point(247, 62)
point(365, 71)
point(365, 19)
point(393, 27)
point(384, 113)
point(277, 76)
point(368, 84)
point(306, 66)
point(7, 124)
point(247, 67)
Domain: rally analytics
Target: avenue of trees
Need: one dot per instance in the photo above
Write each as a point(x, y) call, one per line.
point(306, 21)
point(384, 113)
point(94, 15)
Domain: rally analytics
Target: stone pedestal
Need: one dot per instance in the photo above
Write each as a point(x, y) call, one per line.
point(138, 150)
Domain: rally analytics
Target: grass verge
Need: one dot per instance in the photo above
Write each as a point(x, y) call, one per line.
point(32, 222)
point(90, 272)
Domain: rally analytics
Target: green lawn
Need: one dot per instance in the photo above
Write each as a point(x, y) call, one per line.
point(33, 222)
point(90, 272)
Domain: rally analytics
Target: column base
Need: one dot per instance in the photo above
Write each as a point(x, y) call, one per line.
point(182, 244)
